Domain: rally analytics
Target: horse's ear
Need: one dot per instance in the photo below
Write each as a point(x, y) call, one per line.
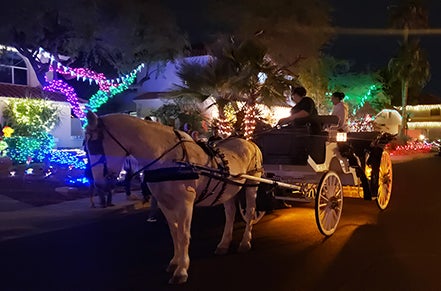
point(92, 119)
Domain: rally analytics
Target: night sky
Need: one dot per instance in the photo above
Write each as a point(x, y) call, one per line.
point(374, 52)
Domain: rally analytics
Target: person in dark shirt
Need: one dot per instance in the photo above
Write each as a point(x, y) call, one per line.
point(305, 106)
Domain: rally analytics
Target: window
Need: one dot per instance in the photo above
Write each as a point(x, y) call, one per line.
point(13, 68)
point(435, 112)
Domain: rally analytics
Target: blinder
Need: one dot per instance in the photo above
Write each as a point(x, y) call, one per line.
point(95, 147)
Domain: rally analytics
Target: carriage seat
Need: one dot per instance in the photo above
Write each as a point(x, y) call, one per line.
point(293, 144)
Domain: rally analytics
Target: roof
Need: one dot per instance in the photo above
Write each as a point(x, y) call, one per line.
point(429, 99)
point(21, 91)
point(149, 96)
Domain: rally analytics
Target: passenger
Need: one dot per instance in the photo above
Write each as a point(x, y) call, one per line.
point(305, 106)
point(340, 109)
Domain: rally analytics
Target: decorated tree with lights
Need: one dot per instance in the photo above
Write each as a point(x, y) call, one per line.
point(31, 121)
point(360, 89)
point(236, 72)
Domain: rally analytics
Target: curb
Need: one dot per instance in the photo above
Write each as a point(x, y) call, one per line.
point(38, 220)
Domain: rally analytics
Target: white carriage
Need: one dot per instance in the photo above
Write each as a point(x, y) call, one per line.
point(314, 162)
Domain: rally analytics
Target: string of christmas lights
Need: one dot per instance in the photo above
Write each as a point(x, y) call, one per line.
point(60, 86)
point(411, 147)
point(101, 97)
point(89, 75)
point(361, 124)
point(249, 122)
point(364, 99)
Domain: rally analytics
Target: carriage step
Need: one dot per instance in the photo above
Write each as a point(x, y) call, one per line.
point(353, 191)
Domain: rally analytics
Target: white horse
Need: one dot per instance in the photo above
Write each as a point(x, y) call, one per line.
point(162, 152)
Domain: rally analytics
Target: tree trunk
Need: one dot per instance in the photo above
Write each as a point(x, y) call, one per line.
point(40, 68)
point(404, 93)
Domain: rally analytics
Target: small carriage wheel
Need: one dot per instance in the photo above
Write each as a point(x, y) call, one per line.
point(328, 203)
point(243, 212)
point(384, 181)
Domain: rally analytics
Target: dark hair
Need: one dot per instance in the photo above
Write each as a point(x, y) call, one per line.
point(301, 91)
point(339, 95)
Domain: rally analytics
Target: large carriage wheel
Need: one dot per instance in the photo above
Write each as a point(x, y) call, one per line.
point(384, 181)
point(328, 203)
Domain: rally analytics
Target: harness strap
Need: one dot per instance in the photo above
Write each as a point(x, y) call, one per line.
point(159, 158)
point(184, 149)
point(103, 161)
point(113, 137)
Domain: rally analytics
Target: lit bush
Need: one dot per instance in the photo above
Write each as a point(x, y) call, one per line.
point(34, 148)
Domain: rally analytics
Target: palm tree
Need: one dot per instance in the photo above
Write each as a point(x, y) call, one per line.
point(236, 71)
point(410, 66)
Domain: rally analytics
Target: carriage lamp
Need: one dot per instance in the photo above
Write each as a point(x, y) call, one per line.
point(341, 137)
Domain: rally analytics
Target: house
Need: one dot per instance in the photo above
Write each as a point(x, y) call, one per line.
point(18, 80)
point(424, 119)
point(162, 80)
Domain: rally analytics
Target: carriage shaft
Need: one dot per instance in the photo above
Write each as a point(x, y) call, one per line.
point(272, 182)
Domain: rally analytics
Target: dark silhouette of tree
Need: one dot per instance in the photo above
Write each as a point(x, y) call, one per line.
point(410, 67)
point(91, 32)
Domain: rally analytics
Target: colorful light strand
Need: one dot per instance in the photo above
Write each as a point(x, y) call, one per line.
point(249, 122)
point(59, 86)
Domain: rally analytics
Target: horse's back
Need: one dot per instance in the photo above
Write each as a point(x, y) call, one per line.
point(243, 156)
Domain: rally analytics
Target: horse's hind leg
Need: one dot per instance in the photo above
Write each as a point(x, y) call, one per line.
point(250, 194)
point(173, 227)
point(227, 236)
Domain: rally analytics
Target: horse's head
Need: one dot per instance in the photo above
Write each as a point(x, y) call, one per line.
point(106, 154)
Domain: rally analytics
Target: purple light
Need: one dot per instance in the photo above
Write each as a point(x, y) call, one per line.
point(84, 73)
point(62, 87)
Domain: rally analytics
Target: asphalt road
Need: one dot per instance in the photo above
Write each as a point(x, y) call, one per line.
point(397, 249)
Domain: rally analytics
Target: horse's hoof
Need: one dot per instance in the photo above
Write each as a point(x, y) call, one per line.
point(244, 248)
point(178, 279)
point(221, 251)
point(171, 268)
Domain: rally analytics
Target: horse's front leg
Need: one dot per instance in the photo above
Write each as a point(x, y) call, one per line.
point(250, 195)
point(179, 215)
point(227, 236)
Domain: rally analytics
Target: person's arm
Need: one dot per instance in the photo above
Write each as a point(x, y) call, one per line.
point(293, 116)
point(285, 120)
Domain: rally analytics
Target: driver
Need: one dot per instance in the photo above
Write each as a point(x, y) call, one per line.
point(305, 106)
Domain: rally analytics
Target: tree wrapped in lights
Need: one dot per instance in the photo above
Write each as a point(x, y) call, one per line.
point(237, 72)
point(31, 119)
